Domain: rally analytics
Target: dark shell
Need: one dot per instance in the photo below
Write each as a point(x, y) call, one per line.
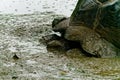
point(109, 19)
point(110, 14)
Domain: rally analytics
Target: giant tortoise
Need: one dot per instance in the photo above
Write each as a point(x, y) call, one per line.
point(95, 25)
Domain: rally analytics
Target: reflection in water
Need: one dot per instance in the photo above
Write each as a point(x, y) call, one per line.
point(29, 6)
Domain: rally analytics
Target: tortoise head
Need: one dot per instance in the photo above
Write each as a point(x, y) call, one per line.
point(57, 21)
point(60, 25)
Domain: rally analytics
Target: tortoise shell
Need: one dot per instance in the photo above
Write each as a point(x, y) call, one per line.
point(108, 19)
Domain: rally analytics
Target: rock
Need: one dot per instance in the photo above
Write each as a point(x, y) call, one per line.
point(14, 77)
point(15, 57)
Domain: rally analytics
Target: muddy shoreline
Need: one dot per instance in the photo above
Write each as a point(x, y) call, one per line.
point(21, 35)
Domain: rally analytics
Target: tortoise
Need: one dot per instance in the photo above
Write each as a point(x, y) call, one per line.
point(95, 26)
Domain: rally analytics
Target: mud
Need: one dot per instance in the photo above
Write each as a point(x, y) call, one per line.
point(24, 56)
point(21, 35)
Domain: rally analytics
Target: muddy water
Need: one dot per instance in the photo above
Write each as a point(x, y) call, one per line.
point(20, 35)
point(29, 6)
point(23, 56)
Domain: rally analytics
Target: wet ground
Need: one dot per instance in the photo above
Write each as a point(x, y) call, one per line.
point(23, 56)
point(29, 6)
